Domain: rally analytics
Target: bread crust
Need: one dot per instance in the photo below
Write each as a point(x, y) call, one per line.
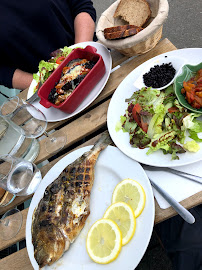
point(121, 31)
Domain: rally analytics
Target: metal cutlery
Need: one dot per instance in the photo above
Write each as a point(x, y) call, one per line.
point(34, 96)
point(189, 176)
point(183, 212)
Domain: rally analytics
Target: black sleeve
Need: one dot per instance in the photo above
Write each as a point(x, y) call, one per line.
point(78, 6)
point(6, 76)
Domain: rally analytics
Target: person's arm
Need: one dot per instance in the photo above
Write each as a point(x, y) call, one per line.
point(84, 27)
point(21, 79)
point(14, 78)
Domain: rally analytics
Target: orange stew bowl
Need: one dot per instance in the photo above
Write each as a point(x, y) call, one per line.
point(187, 87)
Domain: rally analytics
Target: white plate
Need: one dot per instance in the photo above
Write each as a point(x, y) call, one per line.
point(112, 166)
point(53, 114)
point(118, 106)
point(177, 63)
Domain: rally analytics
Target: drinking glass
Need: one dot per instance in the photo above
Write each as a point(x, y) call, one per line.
point(13, 142)
point(32, 122)
point(6, 198)
point(18, 176)
point(10, 224)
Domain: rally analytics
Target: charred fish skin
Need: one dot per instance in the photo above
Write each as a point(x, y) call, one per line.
point(65, 206)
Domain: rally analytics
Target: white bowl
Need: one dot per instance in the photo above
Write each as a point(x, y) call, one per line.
point(176, 62)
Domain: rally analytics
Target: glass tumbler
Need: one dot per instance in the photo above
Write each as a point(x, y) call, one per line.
point(18, 176)
point(13, 142)
point(30, 120)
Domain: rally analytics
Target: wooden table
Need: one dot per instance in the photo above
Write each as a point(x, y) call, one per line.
point(88, 124)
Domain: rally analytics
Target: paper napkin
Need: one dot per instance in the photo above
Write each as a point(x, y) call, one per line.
point(178, 187)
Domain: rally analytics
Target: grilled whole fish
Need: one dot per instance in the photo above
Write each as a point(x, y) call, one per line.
point(65, 206)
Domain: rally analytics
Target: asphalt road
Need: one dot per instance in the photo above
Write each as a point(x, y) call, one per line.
point(184, 23)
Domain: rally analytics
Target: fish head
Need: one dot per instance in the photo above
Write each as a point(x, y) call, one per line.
point(49, 246)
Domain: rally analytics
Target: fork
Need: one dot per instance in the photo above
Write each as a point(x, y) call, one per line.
point(189, 176)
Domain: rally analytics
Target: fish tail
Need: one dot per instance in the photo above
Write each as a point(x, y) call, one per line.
point(100, 145)
point(102, 142)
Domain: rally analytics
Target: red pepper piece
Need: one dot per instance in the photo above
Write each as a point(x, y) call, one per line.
point(60, 59)
point(138, 118)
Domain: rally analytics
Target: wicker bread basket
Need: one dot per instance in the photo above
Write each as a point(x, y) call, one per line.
point(144, 40)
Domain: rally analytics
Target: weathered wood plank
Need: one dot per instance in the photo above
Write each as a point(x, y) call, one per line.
point(16, 261)
point(20, 236)
point(78, 129)
point(163, 214)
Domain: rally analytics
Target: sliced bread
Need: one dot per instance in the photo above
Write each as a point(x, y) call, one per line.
point(121, 31)
point(136, 12)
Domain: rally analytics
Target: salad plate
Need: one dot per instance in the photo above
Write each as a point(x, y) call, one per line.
point(53, 114)
point(125, 90)
point(112, 167)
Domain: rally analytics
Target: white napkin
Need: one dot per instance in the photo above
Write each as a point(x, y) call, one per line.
point(178, 187)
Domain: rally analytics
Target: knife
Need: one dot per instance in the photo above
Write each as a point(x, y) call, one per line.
point(183, 212)
point(35, 95)
point(189, 176)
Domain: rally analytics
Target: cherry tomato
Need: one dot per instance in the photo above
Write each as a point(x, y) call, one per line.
point(138, 118)
point(60, 59)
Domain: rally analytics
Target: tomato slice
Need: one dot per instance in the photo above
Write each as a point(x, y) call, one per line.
point(60, 59)
point(173, 109)
point(138, 118)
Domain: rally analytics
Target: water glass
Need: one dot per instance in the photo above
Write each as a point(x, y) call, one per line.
point(13, 142)
point(31, 121)
point(18, 176)
point(6, 198)
point(10, 224)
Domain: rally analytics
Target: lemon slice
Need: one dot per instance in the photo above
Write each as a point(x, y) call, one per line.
point(132, 193)
point(123, 215)
point(104, 241)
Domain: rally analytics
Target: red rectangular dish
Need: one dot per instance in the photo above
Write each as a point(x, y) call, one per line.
point(77, 95)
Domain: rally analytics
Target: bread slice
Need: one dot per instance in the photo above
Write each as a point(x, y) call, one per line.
point(121, 31)
point(136, 12)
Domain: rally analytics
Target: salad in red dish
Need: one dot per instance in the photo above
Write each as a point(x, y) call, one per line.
point(46, 68)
